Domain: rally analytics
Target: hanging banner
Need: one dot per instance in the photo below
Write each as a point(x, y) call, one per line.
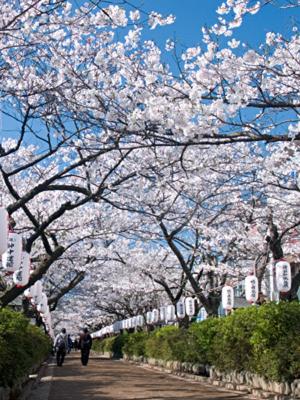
point(227, 297)
point(21, 276)
point(251, 288)
point(3, 230)
point(11, 259)
point(283, 276)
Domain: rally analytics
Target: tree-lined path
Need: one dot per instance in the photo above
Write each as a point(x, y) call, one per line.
point(105, 379)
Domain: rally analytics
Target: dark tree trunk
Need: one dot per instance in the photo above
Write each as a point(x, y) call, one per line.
point(213, 304)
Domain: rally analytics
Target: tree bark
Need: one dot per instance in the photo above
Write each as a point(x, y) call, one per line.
point(53, 300)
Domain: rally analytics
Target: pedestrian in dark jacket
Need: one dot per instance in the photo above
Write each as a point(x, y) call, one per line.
point(85, 344)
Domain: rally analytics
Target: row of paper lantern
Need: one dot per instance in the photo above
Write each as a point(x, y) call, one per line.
point(14, 260)
point(164, 314)
point(39, 300)
point(280, 282)
point(17, 262)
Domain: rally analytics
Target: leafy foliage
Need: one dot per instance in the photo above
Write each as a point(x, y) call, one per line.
point(113, 345)
point(168, 343)
point(201, 338)
point(135, 344)
point(21, 346)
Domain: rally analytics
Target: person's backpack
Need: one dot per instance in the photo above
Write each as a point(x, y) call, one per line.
point(61, 343)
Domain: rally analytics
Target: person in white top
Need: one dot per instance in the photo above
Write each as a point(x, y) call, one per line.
point(60, 346)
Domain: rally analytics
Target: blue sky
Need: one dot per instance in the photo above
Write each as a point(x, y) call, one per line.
point(191, 15)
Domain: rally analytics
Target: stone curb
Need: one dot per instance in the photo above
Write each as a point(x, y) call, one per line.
point(245, 383)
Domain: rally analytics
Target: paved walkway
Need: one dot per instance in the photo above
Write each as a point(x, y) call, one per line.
point(105, 379)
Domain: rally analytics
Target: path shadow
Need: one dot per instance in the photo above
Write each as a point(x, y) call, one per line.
point(105, 379)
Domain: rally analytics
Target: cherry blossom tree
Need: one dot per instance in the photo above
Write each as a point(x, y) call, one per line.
point(195, 176)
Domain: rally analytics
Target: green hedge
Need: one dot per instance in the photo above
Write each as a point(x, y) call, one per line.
point(113, 345)
point(168, 343)
point(135, 344)
point(21, 346)
point(264, 340)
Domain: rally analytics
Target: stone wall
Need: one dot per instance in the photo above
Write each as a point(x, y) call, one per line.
point(244, 382)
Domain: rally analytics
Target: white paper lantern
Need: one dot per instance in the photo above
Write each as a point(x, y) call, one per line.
point(180, 309)
point(155, 316)
point(190, 306)
point(37, 297)
point(251, 288)
point(149, 317)
point(3, 230)
point(11, 259)
point(42, 305)
point(29, 293)
point(140, 320)
point(227, 297)
point(203, 314)
point(116, 326)
point(162, 313)
point(283, 276)
point(21, 276)
point(170, 313)
point(46, 314)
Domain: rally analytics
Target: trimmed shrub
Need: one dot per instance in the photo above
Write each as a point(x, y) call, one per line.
point(98, 345)
point(113, 345)
point(200, 341)
point(264, 340)
point(168, 343)
point(276, 341)
point(118, 345)
point(21, 346)
point(231, 347)
point(135, 344)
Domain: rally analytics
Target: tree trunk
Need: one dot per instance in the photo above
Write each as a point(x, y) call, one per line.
point(213, 304)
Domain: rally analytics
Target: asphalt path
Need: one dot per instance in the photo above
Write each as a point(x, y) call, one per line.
point(104, 379)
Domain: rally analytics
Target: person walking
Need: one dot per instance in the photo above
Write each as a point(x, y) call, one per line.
point(60, 346)
point(70, 344)
point(85, 344)
point(76, 344)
